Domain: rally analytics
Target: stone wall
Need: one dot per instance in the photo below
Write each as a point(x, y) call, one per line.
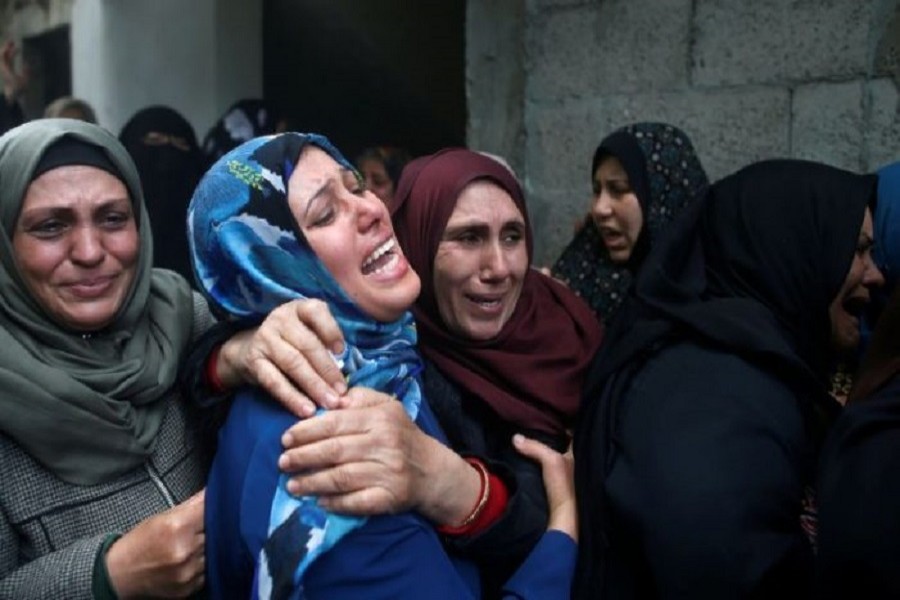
point(814, 79)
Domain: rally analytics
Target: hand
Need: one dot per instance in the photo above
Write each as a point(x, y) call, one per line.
point(288, 355)
point(14, 82)
point(162, 556)
point(559, 482)
point(369, 458)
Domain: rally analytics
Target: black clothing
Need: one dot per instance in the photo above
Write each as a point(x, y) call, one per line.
point(747, 274)
point(859, 500)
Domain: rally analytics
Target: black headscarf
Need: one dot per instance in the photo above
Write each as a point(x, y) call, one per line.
point(169, 175)
point(244, 120)
point(665, 174)
point(752, 270)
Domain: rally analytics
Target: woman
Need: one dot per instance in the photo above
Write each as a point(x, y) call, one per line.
point(102, 462)
point(704, 413)
point(164, 148)
point(643, 176)
point(859, 526)
point(281, 218)
point(462, 222)
point(380, 167)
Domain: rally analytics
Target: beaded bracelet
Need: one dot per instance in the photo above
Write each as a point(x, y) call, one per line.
point(479, 506)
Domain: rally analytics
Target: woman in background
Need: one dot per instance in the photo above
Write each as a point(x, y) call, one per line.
point(643, 176)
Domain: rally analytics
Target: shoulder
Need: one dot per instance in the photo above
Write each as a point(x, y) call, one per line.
point(203, 318)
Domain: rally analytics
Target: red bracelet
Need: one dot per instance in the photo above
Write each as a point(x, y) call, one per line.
point(211, 374)
point(491, 504)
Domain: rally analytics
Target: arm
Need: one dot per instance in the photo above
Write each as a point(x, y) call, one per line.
point(287, 355)
point(369, 458)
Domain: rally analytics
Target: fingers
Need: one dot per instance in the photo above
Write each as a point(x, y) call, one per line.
point(315, 315)
point(559, 482)
point(363, 397)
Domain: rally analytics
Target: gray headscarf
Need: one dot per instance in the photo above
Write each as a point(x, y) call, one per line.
point(87, 408)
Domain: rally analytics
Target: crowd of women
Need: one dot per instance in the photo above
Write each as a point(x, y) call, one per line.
point(296, 388)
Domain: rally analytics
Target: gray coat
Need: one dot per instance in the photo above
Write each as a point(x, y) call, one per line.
point(51, 531)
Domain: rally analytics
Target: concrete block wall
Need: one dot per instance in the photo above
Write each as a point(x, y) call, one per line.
point(815, 79)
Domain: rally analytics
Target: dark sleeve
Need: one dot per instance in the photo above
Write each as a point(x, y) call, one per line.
point(11, 114)
point(473, 430)
point(707, 480)
point(859, 501)
point(193, 373)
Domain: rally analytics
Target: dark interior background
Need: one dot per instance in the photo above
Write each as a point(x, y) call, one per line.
point(390, 72)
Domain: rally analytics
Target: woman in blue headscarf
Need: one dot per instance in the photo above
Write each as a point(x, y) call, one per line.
point(285, 217)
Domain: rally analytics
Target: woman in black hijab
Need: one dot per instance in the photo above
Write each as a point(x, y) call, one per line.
point(859, 491)
point(164, 148)
point(702, 417)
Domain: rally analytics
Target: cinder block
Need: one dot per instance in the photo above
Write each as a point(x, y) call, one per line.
point(882, 134)
point(826, 123)
point(616, 46)
point(776, 41)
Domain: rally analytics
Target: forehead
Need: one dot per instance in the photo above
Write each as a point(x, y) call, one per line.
point(610, 166)
point(867, 227)
point(63, 185)
point(485, 202)
point(313, 168)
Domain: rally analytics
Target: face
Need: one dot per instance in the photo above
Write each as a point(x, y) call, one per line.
point(377, 179)
point(616, 210)
point(76, 244)
point(350, 231)
point(481, 262)
point(853, 296)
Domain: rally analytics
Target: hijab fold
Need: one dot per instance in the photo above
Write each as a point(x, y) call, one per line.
point(86, 406)
point(531, 373)
point(251, 257)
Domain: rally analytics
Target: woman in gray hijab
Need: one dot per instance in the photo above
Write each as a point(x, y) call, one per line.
point(102, 467)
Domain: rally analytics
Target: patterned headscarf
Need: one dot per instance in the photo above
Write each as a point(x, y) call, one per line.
point(250, 256)
point(666, 175)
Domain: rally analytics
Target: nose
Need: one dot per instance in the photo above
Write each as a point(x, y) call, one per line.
point(370, 211)
point(494, 262)
point(87, 247)
point(873, 277)
point(601, 207)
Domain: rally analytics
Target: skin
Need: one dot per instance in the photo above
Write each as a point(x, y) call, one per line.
point(369, 458)
point(345, 225)
point(377, 179)
point(481, 262)
point(854, 294)
point(616, 210)
point(76, 244)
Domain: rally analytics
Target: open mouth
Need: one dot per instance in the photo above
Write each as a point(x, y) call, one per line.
point(485, 302)
point(855, 305)
point(384, 257)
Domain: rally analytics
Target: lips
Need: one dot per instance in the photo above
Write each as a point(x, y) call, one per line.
point(91, 288)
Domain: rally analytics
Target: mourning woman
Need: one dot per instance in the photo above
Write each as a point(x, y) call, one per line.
point(285, 217)
point(101, 460)
point(703, 417)
point(643, 175)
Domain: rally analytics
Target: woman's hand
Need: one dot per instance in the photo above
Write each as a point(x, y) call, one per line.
point(559, 482)
point(162, 556)
point(369, 458)
point(288, 356)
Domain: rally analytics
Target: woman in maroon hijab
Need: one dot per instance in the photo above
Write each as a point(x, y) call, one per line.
point(506, 352)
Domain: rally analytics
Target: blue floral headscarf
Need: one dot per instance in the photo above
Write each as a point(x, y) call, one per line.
point(250, 256)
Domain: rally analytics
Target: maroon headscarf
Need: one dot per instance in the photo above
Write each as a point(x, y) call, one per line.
point(532, 372)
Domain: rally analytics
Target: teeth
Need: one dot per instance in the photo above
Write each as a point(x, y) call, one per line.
point(379, 251)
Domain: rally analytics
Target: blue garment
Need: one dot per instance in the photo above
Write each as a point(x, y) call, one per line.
point(886, 251)
point(250, 256)
point(391, 556)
